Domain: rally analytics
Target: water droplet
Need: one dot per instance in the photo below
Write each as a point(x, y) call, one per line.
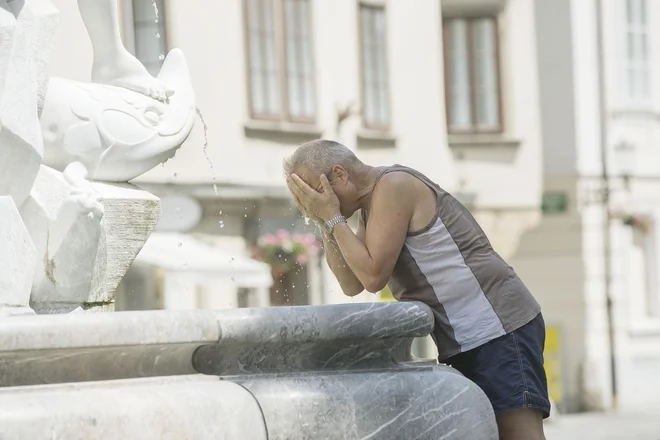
point(185, 264)
point(221, 223)
point(180, 244)
point(245, 215)
point(220, 212)
point(177, 209)
point(175, 175)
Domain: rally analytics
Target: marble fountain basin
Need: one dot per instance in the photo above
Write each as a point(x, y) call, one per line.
point(314, 372)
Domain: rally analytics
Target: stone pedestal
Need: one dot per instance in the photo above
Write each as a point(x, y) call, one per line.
point(131, 214)
point(85, 239)
point(17, 258)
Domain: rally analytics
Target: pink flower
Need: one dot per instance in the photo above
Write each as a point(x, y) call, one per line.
point(302, 259)
point(269, 240)
point(310, 239)
point(283, 234)
point(298, 238)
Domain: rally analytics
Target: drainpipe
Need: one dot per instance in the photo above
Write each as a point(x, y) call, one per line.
point(605, 181)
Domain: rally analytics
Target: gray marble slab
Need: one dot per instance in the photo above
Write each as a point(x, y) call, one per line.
point(294, 373)
point(101, 346)
point(344, 336)
point(410, 403)
point(94, 330)
point(179, 408)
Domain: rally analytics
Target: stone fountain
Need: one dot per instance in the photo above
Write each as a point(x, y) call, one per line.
point(71, 225)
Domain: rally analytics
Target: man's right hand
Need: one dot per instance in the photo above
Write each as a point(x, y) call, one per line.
point(303, 211)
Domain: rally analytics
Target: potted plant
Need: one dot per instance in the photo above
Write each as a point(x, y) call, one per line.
point(636, 222)
point(284, 251)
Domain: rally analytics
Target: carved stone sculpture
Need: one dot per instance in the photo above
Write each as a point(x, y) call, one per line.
point(118, 134)
point(55, 144)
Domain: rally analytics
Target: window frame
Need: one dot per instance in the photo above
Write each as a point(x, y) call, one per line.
point(281, 57)
point(473, 129)
point(626, 65)
point(362, 77)
point(127, 18)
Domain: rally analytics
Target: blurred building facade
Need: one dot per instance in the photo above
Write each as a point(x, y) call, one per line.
point(429, 86)
point(599, 82)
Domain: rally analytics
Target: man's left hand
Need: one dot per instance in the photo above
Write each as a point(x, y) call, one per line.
point(323, 205)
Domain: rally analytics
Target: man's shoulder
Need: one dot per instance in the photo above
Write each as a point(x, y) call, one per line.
point(397, 180)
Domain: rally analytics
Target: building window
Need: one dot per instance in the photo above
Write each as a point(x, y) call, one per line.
point(281, 67)
point(472, 78)
point(375, 82)
point(637, 54)
point(149, 30)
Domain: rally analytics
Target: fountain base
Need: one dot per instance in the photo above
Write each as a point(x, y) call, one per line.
point(290, 373)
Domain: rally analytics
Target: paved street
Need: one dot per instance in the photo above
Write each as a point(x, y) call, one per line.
point(602, 426)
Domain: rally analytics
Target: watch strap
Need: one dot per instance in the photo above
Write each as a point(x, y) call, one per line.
point(330, 224)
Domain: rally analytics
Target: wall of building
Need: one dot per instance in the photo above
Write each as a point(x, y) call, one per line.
point(563, 260)
point(244, 151)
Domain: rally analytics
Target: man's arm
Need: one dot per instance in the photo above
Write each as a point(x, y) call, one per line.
point(349, 283)
point(372, 260)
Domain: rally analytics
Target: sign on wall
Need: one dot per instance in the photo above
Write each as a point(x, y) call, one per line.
point(554, 203)
point(552, 362)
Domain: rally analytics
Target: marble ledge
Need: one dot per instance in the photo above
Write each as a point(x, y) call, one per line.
point(343, 322)
point(187, 407)
point(97, 330)
point(339, 322)
point(435, 403)
point(106, 346)
point(378, 405)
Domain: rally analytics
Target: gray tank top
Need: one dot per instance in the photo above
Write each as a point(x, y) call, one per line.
point(451, 266)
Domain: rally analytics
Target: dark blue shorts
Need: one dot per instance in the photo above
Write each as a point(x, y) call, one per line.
point(510, 369)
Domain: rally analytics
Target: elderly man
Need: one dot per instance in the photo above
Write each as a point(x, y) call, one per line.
point(418, 239)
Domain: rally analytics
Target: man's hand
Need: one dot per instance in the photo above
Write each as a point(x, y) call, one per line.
point(322, 205)
point(300, 207)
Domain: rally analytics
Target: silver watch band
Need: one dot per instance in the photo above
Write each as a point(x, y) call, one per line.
point(330, 224)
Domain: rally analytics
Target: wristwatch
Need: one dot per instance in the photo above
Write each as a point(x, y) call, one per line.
point(330, 224)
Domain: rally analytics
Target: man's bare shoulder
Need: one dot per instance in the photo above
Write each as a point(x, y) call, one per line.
point(396, 190)
point(398, 183)
point(397, 180)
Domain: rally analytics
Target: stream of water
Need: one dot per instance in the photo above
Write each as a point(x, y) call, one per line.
point(199, 113)
point(161, 57)
point(205, 149)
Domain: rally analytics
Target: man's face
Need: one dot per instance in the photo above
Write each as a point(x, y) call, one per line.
point(342, 187)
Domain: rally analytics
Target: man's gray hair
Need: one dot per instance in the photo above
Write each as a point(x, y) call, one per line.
point(320, 156)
